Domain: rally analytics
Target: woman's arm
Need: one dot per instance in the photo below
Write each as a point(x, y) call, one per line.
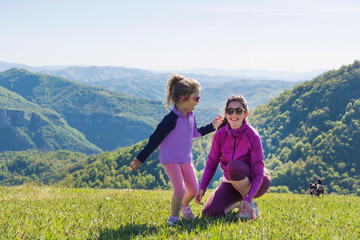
point(257, 168)
point(212, 163)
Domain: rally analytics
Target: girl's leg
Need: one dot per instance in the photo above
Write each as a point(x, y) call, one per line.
point(191, 183)
point(175, 175)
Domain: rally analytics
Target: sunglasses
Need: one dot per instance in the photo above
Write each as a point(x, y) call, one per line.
point(238, 111)
point(196, 99)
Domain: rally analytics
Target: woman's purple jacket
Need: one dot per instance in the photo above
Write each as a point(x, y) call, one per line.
point(243, 144)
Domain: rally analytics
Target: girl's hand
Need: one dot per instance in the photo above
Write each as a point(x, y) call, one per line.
point(246, 206)
point(135, 164)
point(199, 196)
point(217, 121)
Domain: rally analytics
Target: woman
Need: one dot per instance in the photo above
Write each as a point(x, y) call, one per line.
point(237, 147)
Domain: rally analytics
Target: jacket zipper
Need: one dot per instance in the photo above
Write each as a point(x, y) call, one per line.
point(234, 148)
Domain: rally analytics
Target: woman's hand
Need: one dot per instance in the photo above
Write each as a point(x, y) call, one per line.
point(199, 196)
point(217, 121)
point(246, 207)
point(135, 164)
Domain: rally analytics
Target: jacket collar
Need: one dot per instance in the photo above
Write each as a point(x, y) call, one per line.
point(179, 114)
point(239, 131)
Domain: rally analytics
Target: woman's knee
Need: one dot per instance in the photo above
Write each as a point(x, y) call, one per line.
point(238, 170)
point(264, 186)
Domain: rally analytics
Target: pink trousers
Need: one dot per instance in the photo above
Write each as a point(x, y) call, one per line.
point(183, 178)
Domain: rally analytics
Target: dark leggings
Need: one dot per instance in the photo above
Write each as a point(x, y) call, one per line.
point(226, 195)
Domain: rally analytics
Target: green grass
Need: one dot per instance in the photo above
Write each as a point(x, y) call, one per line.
point(30, 212)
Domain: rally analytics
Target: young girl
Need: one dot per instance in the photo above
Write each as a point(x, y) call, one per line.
point(174, 135)
point(237, 147)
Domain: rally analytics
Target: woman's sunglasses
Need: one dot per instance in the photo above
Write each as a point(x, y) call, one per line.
point(196, 99)
point(238, 111)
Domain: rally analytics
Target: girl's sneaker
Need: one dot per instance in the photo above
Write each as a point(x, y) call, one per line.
point(187, 213)
point(245, 215)
point(173, 220)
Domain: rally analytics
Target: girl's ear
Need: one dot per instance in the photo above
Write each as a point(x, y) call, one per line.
point(246, 113)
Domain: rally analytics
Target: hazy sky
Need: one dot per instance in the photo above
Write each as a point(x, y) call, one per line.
point(297, 35)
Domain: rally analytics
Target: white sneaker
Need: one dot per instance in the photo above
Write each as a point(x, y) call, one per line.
point(173, 220)
point(245, 215)
point(187, 213)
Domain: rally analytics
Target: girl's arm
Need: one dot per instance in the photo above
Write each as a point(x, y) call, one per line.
point(163, 129)
point(207, 128)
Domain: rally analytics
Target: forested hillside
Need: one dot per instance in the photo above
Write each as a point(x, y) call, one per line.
point(104, 170)
point(314, 131)
point(48, 168)
point(26, 125)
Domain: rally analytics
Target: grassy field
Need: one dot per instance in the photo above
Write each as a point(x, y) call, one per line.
point(30, 212)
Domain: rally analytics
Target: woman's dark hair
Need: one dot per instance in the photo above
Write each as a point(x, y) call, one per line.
point(233, 98)
point(179, 85)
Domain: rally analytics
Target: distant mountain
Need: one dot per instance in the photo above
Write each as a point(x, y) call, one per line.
point(313, 131)
point(148, 84)
point(140, 83)
point(259, 74)
point(107, 119)
point(256, 92)
point(103, 73)
point(7, 65)
point(145, 84)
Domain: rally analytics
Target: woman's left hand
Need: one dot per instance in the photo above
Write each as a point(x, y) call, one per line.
point(217, 121)
point(246, 207)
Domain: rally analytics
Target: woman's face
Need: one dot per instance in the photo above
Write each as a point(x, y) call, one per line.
point(235, 120)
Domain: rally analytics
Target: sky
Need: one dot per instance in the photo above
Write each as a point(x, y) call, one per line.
point(276, 35)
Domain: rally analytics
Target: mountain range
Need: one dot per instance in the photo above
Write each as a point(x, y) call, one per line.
point(147, 84)
point(251, 74)
point(310, 131)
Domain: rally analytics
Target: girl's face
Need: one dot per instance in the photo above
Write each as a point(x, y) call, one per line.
point(190, 103)
point(232, 114)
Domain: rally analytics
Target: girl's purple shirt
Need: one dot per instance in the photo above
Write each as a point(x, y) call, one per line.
point(174, 136)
